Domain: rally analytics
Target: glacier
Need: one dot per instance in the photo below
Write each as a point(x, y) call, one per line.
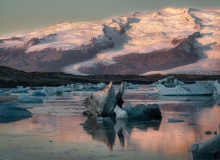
point(105, 45)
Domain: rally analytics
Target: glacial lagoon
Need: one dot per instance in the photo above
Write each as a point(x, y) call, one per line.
point(58, 130)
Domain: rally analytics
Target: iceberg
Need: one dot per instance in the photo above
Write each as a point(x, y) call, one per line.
point(167, 82)
point(23, 98)
point(58, 91)
point(87, 86)
point(217, 85)
point(20, 89)
point(102, 102)
point(120, 113)
point(140, 111)
point(130, 86)
point(209, 149)
point(11, 111)
point(3, 94)
point(101, 86)
point(44, 92)
point(198, 88)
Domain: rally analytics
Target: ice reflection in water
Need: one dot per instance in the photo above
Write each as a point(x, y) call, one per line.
point(106, 131)
point(48, 136)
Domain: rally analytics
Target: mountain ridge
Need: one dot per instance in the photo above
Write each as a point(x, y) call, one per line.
point(87, 47)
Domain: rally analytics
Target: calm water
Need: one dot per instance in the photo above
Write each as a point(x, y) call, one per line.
point(57, 130)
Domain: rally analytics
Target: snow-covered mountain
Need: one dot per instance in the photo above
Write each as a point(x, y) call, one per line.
point(171, 40)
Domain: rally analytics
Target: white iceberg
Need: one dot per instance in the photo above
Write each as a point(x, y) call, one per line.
point(23, 98)
point(102, 102)
point(198, 88)
point(120, 113)
point(167, 82)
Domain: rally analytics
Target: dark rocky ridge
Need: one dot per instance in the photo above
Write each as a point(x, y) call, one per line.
point(10, 78)
point(134, 63)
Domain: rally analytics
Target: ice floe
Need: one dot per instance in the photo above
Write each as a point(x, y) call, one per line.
point(44, 92)
point(20, 89)
point(23, 98)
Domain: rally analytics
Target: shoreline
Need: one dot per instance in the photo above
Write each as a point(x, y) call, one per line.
point(10, 78)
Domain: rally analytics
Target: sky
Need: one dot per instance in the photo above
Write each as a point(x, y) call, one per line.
point(17, 16)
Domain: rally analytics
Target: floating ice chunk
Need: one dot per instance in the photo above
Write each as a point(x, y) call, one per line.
point(155, 94)
point(78, 86)
point(101, 86)
point(66, 89)
point(58, 91)
point(11, 111)
point(184, 114)
point(167, 82)
point(23, 98)
point(198, 88)
point(120, 113)
point(61, 89)
point(208, 132)
point(207, 149)
point(130, 86)
point(102, 102)
point(174, 120)
point(217, 85)
point(38, 93)
point(4, 94)
point(20, 89)
point(140, 111)
point(44, 92)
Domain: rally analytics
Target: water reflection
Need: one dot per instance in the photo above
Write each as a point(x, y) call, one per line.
point(205, 156)
point(101, 130)
point(128, 139)
point(106, 130)
point(11, 119)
